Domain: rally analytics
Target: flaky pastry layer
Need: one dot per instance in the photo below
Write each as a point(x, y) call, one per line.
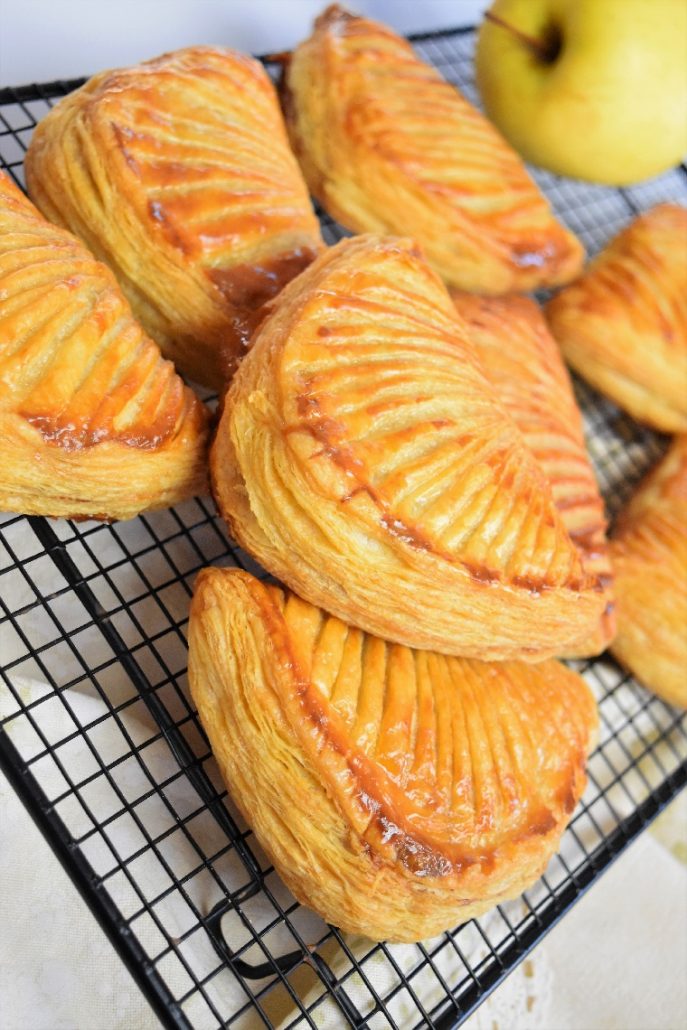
point(623, 325)
point(93, 421)
point(177, 172)
point(363, 458)
point(524, 364)
point(649, 554)
point(387, 145)
point(397, 792)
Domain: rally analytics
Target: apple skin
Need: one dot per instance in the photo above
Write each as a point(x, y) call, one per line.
point(611, 107)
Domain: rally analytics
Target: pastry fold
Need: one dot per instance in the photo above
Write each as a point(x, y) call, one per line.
point(178, 173)
point(623, 325)
point(363, 458)
point(524, 364)
point(93, 421)
point(387, 145)
point(649, 554)
point(397, 792)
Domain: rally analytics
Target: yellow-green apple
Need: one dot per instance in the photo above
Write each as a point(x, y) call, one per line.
point(595, 89)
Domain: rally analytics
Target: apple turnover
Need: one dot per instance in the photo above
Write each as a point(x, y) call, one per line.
point(363, 458)
point(649, 553)
point(397, 792)
point(623, 325)
point(93, 421)
point(386, 144)
point(178, 173)
point(524, 364)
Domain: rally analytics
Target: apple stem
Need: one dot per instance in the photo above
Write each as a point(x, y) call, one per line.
point(538, 47)
point(282, 57)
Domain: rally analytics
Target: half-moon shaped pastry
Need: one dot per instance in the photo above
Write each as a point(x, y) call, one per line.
point(178, 174)
point(649, 553)
point(397, 792)
point(93, 421)
point(623, 325)
point(387, 145)
point(363, 458)
point(524, 364)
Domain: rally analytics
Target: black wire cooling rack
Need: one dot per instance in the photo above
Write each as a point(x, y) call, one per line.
point(99, 737)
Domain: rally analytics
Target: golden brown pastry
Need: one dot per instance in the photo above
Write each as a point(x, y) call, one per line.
point(649, 553)
point(93, 422)
point(178, 173)
point(524, 364)
point(386, 144)
point(623, 325)
point(397, 792)
point(362, 457)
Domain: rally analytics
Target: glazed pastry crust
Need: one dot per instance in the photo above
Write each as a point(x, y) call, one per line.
point(397, 793)
point(524, 364)
point(178, 173)
point(93, 422)
point(649, 553)
point(623, 325)
point(364, 460)
point(387, 145)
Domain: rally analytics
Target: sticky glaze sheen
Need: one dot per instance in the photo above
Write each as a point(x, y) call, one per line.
point(372, 468)
point(178, 172)
point(93, 421)
point(386, 144)
point(623, 325)
point(649, 552)
point(524, 363)
point(422, 789)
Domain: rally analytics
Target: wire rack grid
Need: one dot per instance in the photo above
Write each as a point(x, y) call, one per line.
point(100, 739)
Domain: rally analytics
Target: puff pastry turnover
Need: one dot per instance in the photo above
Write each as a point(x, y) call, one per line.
point(386, 144)
point(623, 326)
point(524, 364)
point(649, 553)
point(178, 173)
point(93, 421)
point(363, 458)
point(397, 792)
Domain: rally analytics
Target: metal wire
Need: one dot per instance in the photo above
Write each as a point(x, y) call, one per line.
point(100, 739)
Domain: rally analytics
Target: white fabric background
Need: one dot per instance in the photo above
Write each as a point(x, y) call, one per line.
point(617, 961)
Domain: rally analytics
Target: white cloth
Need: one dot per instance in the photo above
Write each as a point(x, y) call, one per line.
point(617, 960)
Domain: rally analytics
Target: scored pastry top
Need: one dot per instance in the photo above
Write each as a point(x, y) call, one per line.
point(623, 324)
point(524, 364)
point(361, 425)
point(445, 780)
point(653, 245)
point(93, 420)
point(178, 172)
point(664, 488)
point(386, 144)
point(411, 718)
point(73, 362)
point(649, 552)
point(382, 399)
